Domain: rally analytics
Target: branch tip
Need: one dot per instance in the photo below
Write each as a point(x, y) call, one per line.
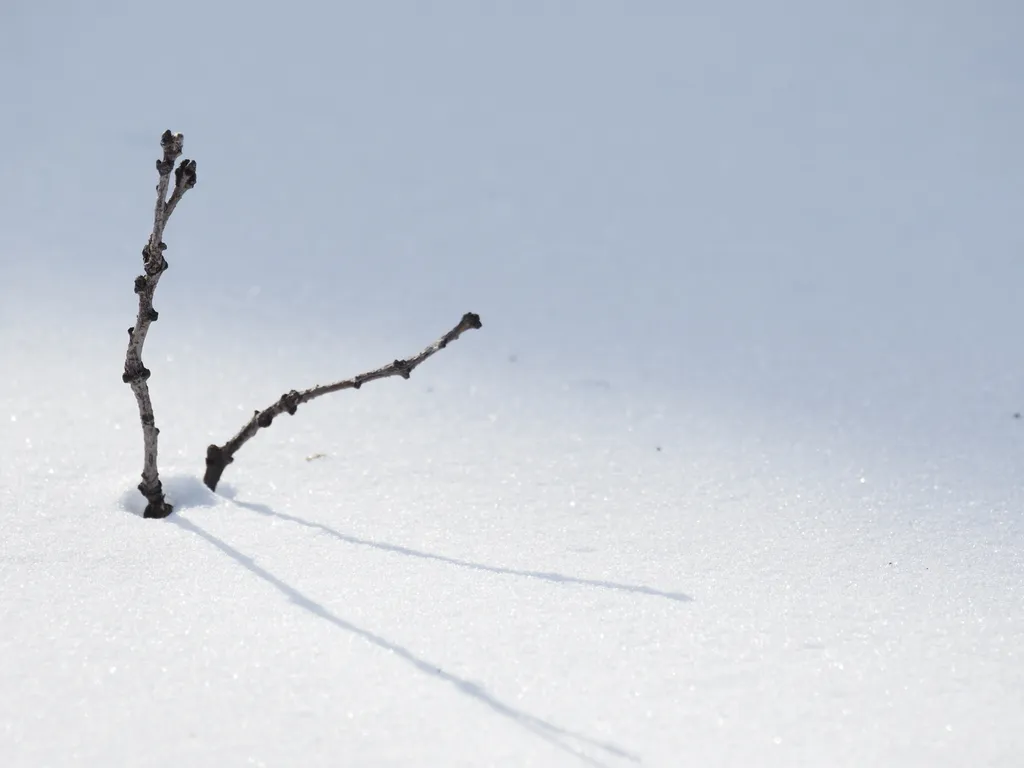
point(171, 143)
point(185, 176)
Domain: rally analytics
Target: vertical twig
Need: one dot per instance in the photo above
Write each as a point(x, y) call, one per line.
point(135, 373)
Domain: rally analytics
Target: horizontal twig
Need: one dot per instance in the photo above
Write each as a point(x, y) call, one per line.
point(219, 456)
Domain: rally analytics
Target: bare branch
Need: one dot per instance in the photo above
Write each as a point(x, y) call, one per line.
point(135, 373)
point(218, 457)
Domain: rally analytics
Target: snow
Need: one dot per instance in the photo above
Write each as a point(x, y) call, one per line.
point(731, 475)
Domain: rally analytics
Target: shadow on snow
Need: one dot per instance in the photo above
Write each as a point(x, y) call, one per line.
point(568, 741)
point(557, 578)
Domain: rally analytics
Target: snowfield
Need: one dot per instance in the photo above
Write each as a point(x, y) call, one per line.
point(487, 572)
point(732, 475)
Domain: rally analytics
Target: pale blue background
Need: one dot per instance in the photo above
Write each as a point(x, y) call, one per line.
point(813, 206)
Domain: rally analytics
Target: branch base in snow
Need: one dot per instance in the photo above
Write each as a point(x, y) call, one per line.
point(157, 508)
point(216, 462)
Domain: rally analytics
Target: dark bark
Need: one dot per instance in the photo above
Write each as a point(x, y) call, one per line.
point(154, 264)
point(219, 456)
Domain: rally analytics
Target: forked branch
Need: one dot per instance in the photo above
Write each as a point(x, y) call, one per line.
point(219, 456)
point(154, 264)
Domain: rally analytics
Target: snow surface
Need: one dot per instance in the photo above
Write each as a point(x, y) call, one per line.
point(731, 476)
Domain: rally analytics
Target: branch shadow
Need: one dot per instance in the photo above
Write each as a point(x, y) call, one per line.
point(560, 738)
point(550, 576)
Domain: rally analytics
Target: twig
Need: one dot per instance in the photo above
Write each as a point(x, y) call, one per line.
point(135, 373)
point(218, 457)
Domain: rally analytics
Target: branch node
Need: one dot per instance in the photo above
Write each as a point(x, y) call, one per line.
point(153, 315)
point(140, 374)
point(403, 368)
point(290, 402)
point(140, 283)
point(153, 259)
